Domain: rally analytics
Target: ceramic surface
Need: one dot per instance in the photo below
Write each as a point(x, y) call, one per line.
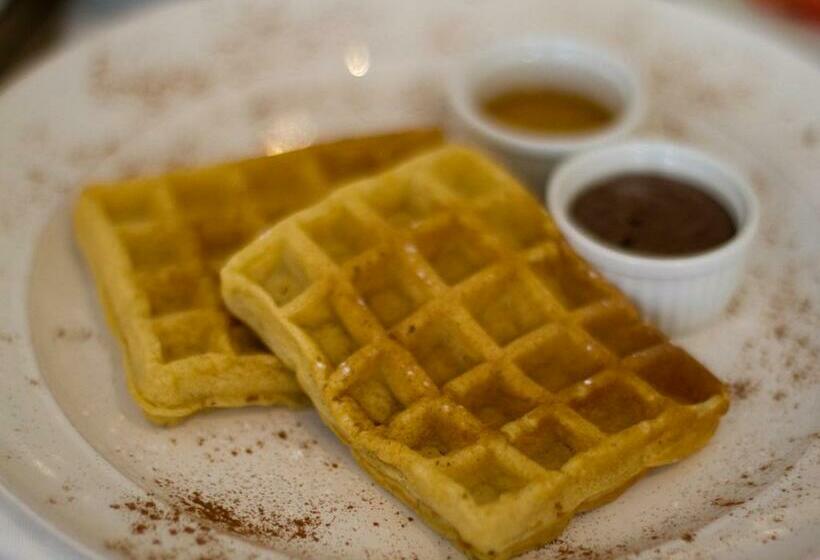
point(83, 474)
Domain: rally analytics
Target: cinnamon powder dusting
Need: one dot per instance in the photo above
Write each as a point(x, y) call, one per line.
point(263, 525)
point(193, 521)
point(153, 88)
point(743, 389)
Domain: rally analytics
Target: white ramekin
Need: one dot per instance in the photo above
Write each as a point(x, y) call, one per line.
point(558, 62)
point(678, 294)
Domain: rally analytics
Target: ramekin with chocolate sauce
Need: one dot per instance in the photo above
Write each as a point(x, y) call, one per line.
point(668, 224)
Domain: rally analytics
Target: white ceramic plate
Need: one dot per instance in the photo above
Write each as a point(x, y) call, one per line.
point(83, 473)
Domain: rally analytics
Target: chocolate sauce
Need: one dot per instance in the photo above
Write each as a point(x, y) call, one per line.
point(653, 214)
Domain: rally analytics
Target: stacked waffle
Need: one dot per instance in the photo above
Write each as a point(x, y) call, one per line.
point(155, 247)
point(476, 367)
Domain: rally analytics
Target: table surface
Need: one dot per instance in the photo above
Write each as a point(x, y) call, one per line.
point(81, 17)
point(84, 15)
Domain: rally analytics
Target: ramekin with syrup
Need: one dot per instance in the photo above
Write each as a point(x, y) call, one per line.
point(537, 100)
point(667, 223)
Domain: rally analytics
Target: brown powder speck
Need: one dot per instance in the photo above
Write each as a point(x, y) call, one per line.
point(234, 452)
point(673, 127)
point(779, 396)
point(769, 538)
point(800, 375)
point(804, 306)
point(375, 523)
point(566, 552)
point(688, 537)
point(123, 547)
point(735, 304)
point(33, 382)
point(780, 332)
point(725, 502)
point(810, 137)
point(139, 528)
point(73, 334)
point(282, 434)
point(743, 389)
point(36, 176)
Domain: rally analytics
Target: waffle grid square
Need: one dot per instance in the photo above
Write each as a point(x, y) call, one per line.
point(495, 400)
point(156, 246)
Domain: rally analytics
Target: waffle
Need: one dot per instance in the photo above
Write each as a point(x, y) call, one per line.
point(477, 367)
point(156, 245)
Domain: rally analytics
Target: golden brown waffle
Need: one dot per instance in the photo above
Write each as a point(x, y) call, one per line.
point(476, 366)
point(156, 245)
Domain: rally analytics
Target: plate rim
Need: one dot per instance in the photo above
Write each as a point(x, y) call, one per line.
point(43, 66)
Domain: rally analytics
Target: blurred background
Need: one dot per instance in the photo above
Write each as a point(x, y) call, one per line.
point(30, 29)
